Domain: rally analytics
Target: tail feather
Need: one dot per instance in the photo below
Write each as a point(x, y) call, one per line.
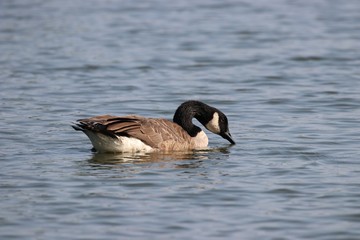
point(77, 127)
point(92, 127)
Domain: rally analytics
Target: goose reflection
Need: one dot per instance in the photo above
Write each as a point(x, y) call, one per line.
point(108, 159)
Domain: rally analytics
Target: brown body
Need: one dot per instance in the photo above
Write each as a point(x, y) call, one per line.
point(159, 134)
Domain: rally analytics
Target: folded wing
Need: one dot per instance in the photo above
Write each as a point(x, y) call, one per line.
point(157, 133)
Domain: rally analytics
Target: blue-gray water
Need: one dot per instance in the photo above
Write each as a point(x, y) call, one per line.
point(286, 73)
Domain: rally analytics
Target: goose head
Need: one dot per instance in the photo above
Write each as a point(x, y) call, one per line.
point(219, 125)
point(213, 119)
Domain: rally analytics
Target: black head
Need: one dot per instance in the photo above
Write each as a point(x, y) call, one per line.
point(213, 119)
point(218, 124)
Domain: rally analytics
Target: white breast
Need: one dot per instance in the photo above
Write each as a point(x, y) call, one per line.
point(200, 140)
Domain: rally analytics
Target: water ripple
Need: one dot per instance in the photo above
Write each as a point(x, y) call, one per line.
point(285, 73)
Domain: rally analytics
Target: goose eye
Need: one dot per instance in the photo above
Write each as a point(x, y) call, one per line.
point(223, 120)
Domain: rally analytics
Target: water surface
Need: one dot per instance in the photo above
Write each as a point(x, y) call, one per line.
point(285, 73)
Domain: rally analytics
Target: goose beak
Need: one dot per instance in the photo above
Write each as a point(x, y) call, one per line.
point(228, 137)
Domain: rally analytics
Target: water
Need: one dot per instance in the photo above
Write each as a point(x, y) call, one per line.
point(286, 73)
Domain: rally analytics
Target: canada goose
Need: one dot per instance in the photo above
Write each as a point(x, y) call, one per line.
point(135, 133)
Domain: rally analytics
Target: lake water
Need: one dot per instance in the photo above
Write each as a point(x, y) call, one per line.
point(286, 73)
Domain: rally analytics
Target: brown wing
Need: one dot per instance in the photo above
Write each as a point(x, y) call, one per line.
point(97, 124)
point(157, 133)
point(161, 133)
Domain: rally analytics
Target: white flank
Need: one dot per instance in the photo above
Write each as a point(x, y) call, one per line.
point(103, 143)
point(213, 125)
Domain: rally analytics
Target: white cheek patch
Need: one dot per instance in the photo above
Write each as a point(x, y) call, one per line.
point(213, 125)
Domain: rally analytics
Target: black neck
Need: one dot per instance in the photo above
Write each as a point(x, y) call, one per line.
point(193, 109)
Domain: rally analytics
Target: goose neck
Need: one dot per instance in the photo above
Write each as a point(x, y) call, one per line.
point(189, 110)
